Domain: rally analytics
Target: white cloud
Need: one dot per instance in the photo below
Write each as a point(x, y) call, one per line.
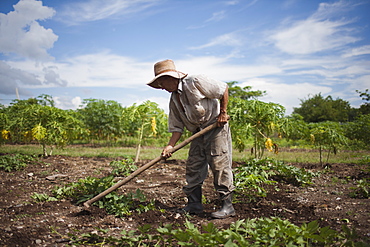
point(358, 51)
point(52, 76)
point(109, 70)
point(30, 74)
point(162, 102)
point(90, 70)
point(105, 69)
point(229, 39)
point(20, 32)
point(246, 4)
point(288, 3)
point(330, 69)
point(288, 95)
point(66, 102)
point(317, 33)
point(221, 68)
point(310, 36)
point(361, 83)
point(12, 78)
point(232, 2)
point(313, 62)
point(332, 9)
point(217, 16)
point(94, 10)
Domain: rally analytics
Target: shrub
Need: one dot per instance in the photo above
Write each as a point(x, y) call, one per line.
point(119, 205)
point(16, 162)
point(251, 177)
point(123, 167)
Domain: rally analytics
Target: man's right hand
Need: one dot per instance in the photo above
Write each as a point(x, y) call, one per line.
point(166, 151)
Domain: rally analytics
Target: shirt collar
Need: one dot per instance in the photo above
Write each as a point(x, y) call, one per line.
point(179, 87)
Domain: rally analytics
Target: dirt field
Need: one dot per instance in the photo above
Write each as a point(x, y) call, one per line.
point(26, 223)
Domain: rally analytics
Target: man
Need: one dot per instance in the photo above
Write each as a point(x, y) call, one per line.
point(197, 102)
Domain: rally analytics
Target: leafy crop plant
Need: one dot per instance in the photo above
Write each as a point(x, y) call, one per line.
point(272, 231)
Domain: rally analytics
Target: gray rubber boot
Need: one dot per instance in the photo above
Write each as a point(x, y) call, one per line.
point(226, 210)
point(194, 205)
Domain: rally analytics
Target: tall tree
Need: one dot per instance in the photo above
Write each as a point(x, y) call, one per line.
point(255, 119)
point(365, 107)
point(319, 109)
point(358, 131)
point(103, 118)
point(243, 93)
point(146, 119)
point(252, 118)
point(327, 135)
point(29, 120)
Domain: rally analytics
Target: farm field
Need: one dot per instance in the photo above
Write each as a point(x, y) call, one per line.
point(25, 222)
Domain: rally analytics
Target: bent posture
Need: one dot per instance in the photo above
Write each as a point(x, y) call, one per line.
point(197, 102)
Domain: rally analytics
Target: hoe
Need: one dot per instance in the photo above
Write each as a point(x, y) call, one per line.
point(148, 165)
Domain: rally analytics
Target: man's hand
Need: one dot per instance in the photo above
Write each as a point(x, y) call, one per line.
point(166, 151)
point(173, 140)
point(222, 118)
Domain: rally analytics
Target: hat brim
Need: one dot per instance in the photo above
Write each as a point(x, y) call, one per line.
point(175, 74)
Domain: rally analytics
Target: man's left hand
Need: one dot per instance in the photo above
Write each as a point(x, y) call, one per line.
point(222, 119)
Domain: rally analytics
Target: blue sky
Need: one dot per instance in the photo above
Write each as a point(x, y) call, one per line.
point(82, 49)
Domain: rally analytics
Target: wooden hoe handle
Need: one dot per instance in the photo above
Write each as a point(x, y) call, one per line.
point(148, 165)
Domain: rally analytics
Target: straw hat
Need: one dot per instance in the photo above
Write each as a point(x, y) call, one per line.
point(163, 68)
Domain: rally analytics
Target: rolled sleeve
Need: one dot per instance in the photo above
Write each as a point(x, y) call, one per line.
point(174, 120)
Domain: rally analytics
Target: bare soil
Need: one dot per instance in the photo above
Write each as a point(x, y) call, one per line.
point(26, 223)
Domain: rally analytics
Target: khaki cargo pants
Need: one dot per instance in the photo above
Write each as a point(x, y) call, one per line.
point(213, 149)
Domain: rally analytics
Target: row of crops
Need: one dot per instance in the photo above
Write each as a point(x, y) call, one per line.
point(252, 178)
point(255, 125)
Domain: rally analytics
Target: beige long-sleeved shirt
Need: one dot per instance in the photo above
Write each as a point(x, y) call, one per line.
point(195, 104)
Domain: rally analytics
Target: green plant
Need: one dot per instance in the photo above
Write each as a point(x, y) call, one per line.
point(293, 175)
point(362, 189)
point(119, 205)
point(123, 205)
point(15, 162)
point(145, 120)
point(358, 131)
point(251, 177)
point(43, 197)
point(319, 109)
point(103, 118)
point(327, 135)
point(38, 120)
point(123, 167)
point(252, 232)
point(20, 216)
point(365, 160)
point(256, 119)
point(84, 189)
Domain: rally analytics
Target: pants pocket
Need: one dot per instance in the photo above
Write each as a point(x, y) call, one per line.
point(219, 144)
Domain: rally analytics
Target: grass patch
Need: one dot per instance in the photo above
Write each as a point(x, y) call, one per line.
point(286, 155)
point(85, 151)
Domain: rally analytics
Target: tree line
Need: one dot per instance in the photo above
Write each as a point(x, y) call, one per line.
point(326, 123)
point(322, 123)
point(38, 120)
